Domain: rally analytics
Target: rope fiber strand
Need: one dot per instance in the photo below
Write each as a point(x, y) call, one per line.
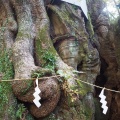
point(60, 76)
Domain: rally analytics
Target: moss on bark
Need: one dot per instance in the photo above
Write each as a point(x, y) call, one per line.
point(8, 102)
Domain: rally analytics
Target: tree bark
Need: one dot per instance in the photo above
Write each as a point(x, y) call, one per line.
point(50, 38)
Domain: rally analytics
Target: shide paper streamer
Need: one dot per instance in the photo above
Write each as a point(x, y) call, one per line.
point(103, 97)
point(36, 95)
point(38, 91)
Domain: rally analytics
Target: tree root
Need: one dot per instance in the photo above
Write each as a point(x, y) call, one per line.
point(52, 93)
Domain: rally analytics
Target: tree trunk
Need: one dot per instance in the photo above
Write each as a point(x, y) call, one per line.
point(49, 38)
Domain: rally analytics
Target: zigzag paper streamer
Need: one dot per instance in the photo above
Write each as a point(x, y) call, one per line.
point(36, 95)
point(103, 97)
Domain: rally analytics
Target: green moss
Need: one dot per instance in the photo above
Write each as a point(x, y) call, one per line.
point(21, 109)
point(12, 109)
point(88, 113)
point(4, 92)
point(21, 34)
point(49, 59)
point(6, 70)
point(84, 112)
point(29, 117)
point(45, 52)
point(89, 27)
point(50, 117)
point(22, 113)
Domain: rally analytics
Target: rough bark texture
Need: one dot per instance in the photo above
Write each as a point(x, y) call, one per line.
point(49, 38)
point(7, 98)
point(108, 48)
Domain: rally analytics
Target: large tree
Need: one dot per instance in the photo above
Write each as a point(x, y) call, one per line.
point(45, 38)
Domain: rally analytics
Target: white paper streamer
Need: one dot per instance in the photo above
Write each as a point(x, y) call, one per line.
point(36, 95)
point(103, 97)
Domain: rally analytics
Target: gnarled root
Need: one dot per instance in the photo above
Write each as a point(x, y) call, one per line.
point(50, 96)
point(24, 65)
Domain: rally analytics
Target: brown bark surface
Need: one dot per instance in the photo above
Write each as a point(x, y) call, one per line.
point(53, 37)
